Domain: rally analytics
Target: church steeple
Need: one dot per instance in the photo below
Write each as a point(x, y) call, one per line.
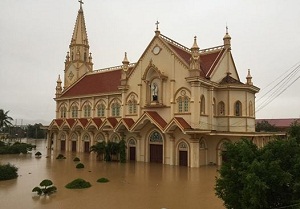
point(79, 59)
point(79, 46)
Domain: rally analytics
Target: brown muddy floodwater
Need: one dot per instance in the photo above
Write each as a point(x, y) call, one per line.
point(132, 185)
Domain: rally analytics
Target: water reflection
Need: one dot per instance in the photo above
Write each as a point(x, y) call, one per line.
point(132, 185)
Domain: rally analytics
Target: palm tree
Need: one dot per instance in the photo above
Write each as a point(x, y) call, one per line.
point(99, 148)
point(4, 119)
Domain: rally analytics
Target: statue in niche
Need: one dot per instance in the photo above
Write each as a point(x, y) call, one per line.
point(154, 91)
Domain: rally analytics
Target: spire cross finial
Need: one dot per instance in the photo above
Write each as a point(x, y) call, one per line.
point(157, 23)
point(81, 2)
point(226, 29)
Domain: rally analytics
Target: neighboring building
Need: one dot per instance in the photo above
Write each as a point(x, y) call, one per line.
point(175, 105)
point(282, 124)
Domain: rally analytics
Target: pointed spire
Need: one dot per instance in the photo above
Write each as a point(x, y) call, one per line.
point(249, 78)
point(58, 87)
point(195, 45)
point(125, 62)
point(227, 39)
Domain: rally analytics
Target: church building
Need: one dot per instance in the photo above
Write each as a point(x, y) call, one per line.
point(175, 105)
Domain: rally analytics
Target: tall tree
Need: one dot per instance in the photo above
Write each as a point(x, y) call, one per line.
point(4, 119)
point(260, 178)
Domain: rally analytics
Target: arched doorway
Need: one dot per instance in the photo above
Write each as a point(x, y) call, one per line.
point(74, 143)
point(156, 147)
point(86, 143)
point(183, 153)
point(63, 142)
point(132, 150)
point(221, 151)
point(202, 152)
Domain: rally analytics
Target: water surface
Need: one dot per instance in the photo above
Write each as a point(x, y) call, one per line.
point(133, 185)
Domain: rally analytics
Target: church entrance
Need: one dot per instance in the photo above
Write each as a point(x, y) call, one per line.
point(132, 153)
point(183, 158)
point(156, 147)
point(86, 146)
point(73, 146)
point(156, 153)
point(183, 154)
point(62, 145)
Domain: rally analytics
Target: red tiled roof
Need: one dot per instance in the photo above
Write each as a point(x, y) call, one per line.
point(129, 122)
point(281, 123)
point(182, 53)
point(70, 121)
point(208, 61)
point(157, 118)
point(183, 123)
point(97, 121)
point(113, 121)
point(59, 121)
point(95, 83)
point(83, 121)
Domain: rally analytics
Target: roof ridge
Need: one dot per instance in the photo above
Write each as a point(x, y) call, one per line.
point(175, 43)
point(118, 67)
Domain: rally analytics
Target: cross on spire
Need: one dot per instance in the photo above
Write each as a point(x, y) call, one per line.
point(157, 23)
point(81, 3)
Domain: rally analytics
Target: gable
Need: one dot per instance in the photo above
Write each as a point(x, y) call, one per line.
point(226, 64)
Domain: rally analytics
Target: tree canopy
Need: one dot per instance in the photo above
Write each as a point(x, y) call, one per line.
point(5, 120)
point(260, 178)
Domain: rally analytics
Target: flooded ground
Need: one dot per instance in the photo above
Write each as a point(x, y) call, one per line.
point(131, 186)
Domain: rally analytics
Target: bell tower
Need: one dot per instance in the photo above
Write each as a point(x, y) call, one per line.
point(79, 59)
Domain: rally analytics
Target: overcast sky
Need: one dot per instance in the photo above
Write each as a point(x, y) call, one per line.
point(35, 36)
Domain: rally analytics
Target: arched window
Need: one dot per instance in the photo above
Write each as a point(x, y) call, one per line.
point(87, 110)
point(202, 144)
point(115, 109)
point(251, 109)
point(183, 103)
point(63, 112)
point(100, 138)
point(183, 146)
point(238, 108)
point(86, 137)
point(155, 137)
point(74, 111)
point(132, 103)
point(221, 108)
point(100, 110)
point(202, 105)
point(115, 138)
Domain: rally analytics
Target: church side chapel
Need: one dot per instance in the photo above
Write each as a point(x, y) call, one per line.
point(176, 105)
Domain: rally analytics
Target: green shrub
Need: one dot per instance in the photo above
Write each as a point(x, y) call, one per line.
point(78, 184)
point(79, 165)
point(60, 156)
point(16, 148)
point(46, 188)
point(8, 171)
point(76, 159)
point(102, 180)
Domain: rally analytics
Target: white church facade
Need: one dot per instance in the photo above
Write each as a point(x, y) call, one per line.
point(175, 105)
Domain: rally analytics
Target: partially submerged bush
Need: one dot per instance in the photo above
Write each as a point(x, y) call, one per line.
point(102, 180)
point(8, 171)
point(78, 184)
point(79, 165)
point(38, 154)
point(76, 159)
point(46, 188)
point(60, 156)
